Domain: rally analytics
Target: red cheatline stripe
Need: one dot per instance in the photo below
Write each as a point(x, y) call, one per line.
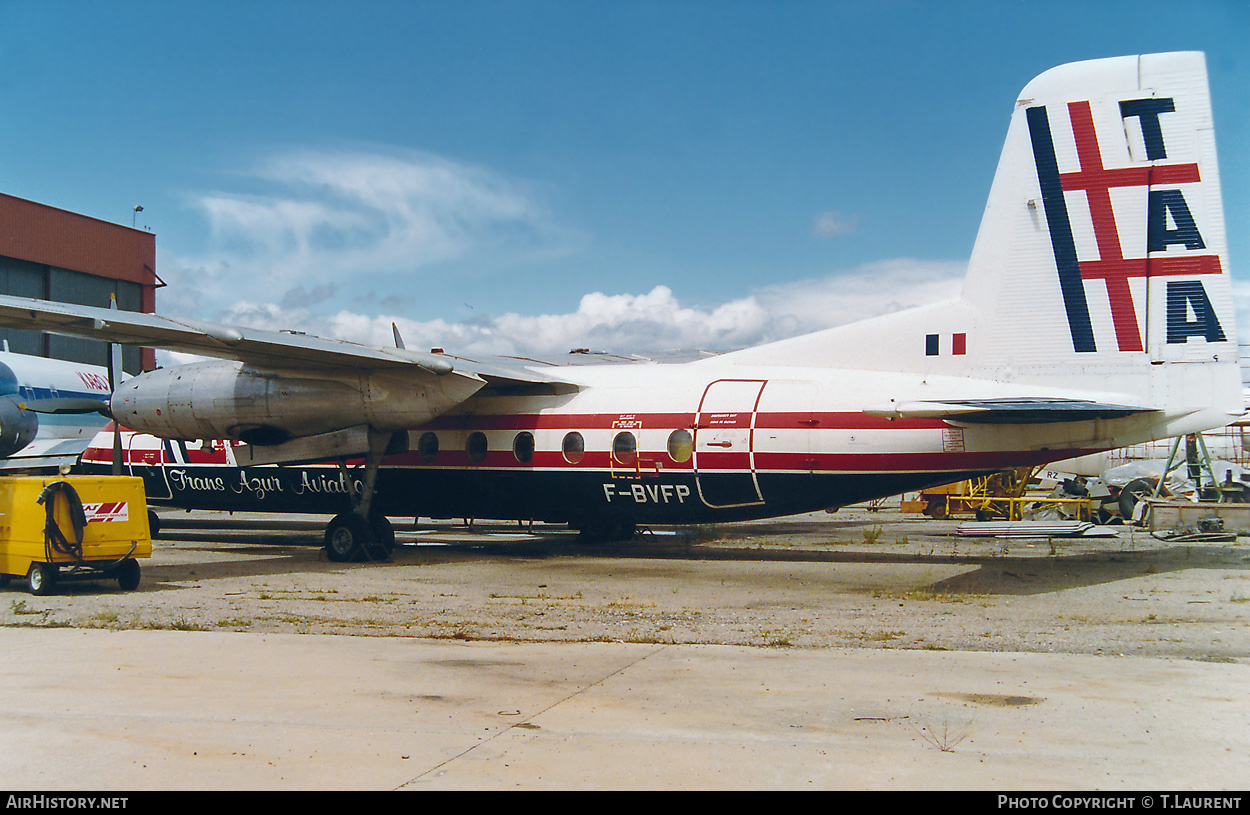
point(775, 420)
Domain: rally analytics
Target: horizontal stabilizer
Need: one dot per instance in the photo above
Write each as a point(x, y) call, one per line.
point(1043, 410)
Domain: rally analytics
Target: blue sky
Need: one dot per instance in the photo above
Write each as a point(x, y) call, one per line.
point(532, 176)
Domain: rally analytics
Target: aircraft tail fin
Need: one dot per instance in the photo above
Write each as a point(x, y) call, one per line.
point(1101, 264)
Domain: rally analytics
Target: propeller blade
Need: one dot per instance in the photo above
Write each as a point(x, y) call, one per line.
point(115, 374)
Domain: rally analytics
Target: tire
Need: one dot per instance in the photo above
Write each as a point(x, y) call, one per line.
point(154, 524)
point(602, 530)
point(383, 537)
point(1133, 492)
point(595, 531)
point(346, 536)
point(5, 580)
point(128, 575)
point(41, 579)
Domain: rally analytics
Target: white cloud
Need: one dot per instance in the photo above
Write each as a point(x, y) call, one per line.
point(871, 290)
point(314, 223)
point(648, 323)
point(316, 218)
point(828, 224)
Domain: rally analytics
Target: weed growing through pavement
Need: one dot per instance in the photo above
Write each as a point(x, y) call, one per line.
point(945, 734)
point(20, 607)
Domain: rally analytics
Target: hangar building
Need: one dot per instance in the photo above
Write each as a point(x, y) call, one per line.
point(53, 254)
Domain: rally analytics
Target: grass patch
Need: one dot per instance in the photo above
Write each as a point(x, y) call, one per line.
point(540, 597)
point(178, 624)
point(20, 607)
point(885, 636)
point(107, 617)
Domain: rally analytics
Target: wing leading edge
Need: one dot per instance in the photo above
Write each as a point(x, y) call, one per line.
point(266, 349)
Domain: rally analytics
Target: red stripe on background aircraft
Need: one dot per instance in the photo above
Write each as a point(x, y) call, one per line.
point(1096, 313)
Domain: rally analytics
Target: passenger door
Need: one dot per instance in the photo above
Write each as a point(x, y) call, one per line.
point(724, 460)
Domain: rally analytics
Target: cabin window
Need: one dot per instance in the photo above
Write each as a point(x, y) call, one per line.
point(680, 445)
point(427, 447)
point(625, 448)
point(574, 447)
point(476, 447)
point(523, 447)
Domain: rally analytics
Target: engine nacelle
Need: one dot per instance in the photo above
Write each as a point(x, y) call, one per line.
point(221, 399)
point(17, 427)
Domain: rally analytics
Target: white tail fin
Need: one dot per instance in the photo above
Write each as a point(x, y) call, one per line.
point(1101, 258)
point(1104, 233)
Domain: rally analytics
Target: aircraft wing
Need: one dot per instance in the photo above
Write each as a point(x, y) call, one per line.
point(1009, 410)
point(267, 349)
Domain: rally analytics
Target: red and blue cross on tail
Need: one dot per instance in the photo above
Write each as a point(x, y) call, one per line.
point(1169, 222)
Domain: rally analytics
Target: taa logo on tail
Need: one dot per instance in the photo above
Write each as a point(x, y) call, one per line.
point(1169, 222)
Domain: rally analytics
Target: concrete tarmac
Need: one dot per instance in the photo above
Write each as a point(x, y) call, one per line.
point(866, 650)
point(139, 710)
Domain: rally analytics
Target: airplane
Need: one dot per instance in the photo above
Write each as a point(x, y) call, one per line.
point(1096, 313)
point(50, 409)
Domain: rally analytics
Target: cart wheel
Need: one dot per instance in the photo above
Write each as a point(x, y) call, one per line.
point(41, 578)
point(128, 575)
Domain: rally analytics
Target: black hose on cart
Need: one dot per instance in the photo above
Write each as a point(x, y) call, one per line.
point(53, 538)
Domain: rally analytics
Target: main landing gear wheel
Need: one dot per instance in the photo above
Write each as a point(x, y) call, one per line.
point(383, 543)
point(350, 538)
point(605, 531)
point(346, 537)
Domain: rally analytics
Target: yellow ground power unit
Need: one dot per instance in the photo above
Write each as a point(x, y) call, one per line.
point(54, 527)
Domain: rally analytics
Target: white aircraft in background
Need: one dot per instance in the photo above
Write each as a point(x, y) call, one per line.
point(1096, 313)
point(49, 410)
